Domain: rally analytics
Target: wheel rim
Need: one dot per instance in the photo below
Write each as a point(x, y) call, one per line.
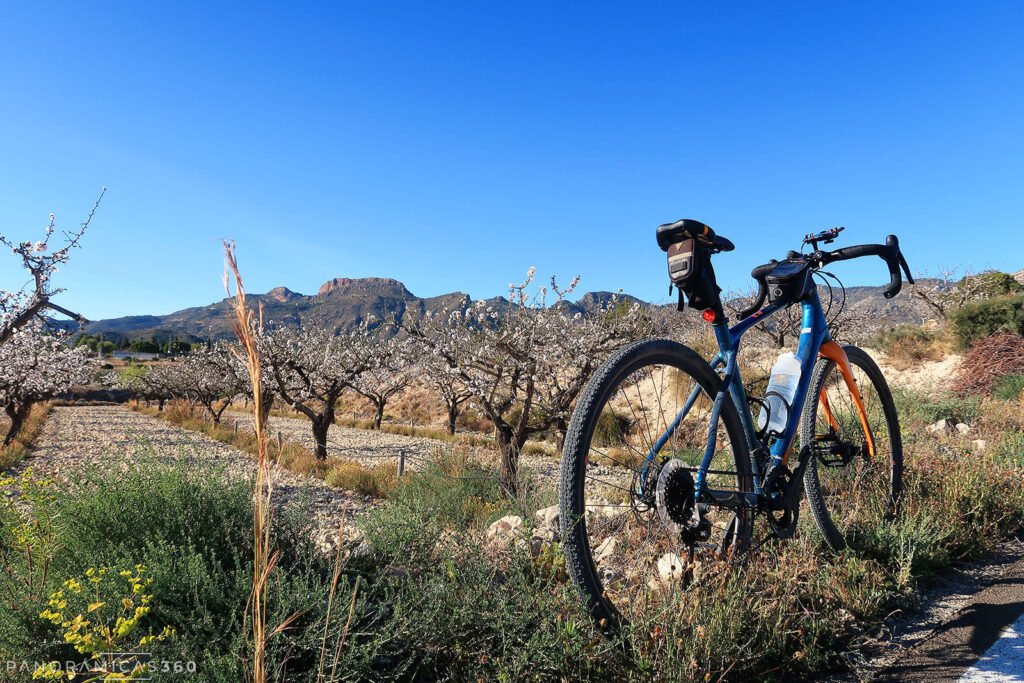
point(632, 549)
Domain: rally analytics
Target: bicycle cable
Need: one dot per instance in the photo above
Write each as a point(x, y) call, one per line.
point(830, 317)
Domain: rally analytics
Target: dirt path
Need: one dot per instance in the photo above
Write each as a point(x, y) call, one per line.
point(980, 640)
point(75, 437)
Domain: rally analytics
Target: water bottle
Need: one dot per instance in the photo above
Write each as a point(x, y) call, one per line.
point(780, 393)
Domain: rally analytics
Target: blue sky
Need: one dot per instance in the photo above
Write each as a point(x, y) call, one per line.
point(453, 145)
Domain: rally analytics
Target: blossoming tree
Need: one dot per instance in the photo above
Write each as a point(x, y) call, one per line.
point(389, 364)
point(525, 362)
point(211, 376)
point(35, 365)
point(18, 308)
point(436, 372)
point(311, 368)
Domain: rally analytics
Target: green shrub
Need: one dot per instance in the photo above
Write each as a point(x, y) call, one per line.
point(918, 409)
point(192, 528)
point(143, 346)
point(909, 345)
point(176, 347)
point(991, 316)
point(1009, 387)
point(1010, 450)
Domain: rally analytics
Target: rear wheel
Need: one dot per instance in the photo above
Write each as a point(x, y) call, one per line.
point(847, 487)
point(624, 516)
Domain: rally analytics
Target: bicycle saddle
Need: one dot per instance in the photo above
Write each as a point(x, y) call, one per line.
point(687, 228)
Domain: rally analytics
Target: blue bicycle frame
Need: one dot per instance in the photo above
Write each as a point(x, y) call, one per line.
point(813, 333)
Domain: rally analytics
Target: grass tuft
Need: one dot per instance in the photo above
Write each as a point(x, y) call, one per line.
point(22, 443)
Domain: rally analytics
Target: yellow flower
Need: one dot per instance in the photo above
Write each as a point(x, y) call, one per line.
point(95, 606)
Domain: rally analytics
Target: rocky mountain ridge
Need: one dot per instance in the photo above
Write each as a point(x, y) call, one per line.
point(343, 303)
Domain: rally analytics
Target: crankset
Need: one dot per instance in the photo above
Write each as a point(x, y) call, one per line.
point(783, 488)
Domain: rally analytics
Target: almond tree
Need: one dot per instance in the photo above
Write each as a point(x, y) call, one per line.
point(311, 369)
point(35, 365)
point(389, 365)
point(445, 379)
point(525, 362)
point(158, 383)
point(268, 385)
point(210, 375)
point(18, 308)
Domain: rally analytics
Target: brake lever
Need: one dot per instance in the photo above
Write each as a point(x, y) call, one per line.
point(906, 268)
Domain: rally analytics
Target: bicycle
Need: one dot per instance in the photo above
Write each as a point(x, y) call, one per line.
point(664, 466)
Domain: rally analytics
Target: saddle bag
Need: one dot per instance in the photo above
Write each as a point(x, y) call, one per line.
point(689, 268)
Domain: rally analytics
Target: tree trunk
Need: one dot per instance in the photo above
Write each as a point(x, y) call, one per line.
point(453, 414)
point(18, 414)
point(321, 425)
point(379, 416)
point(220, 412)
point(509, 474)
point(160, 404)
point(266, 405)
point(561, 427)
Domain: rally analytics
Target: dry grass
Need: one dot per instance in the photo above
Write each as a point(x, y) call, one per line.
point(19, 448)
point(419, 404)
point(908, 346)
point(350, 475)
point(292, 456)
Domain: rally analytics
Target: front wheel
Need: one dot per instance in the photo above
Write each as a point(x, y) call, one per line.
point(626, 489)
point(848, 487)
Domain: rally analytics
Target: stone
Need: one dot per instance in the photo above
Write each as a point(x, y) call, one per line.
point(397, 573)
point(606, 548)
point(505, 529)
point(942, 427)
point(979, 444)
point(670, 567)
point(610, 577)
point(963, 428)
point(546, 534)
point(548, 517)
point(364, 549)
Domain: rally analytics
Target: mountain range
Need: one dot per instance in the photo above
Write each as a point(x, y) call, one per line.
point(343, 303)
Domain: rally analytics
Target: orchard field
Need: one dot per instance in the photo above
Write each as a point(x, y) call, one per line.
point(302, 504)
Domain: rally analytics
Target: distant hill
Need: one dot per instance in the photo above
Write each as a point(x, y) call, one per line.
point(343, 303)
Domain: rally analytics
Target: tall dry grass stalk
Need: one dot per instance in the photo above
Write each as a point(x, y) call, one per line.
point(264, 560)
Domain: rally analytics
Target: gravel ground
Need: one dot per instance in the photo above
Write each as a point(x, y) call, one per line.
point(372, 448)
point(76, 437)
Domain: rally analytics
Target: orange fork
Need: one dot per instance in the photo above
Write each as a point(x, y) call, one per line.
point(835, 353)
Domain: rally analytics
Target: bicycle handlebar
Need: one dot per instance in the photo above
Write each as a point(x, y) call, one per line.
point(759, 275)
point(888, 252)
